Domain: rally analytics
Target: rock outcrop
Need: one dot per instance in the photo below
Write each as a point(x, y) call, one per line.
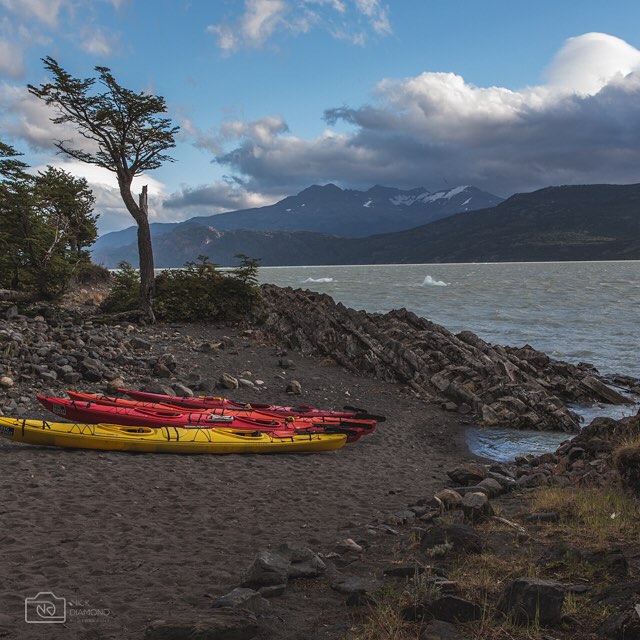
point(516, 387)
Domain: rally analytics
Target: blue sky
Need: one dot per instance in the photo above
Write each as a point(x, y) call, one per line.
point(275, 95)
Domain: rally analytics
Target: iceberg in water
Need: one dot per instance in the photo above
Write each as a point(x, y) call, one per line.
point(318, 280)
point(430, 282)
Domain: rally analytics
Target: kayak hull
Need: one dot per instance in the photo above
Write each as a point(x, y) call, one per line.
point(179, 440)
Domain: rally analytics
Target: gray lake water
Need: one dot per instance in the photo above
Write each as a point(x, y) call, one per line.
point(573, 311)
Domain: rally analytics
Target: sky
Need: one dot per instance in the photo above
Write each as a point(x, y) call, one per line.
point(272, 96)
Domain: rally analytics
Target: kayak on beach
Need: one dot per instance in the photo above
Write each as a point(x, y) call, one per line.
point(219, 402)
point(188, 440)
point(95, 413)
point(248, 411)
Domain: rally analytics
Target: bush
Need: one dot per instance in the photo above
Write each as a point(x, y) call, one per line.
point(91, 275)
point(201, 292)
point(124, 292)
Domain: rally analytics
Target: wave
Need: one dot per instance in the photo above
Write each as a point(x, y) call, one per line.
point(318, 280)
point(430, 282)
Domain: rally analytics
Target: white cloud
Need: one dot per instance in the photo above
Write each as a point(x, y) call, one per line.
point(45, 11)
point(222, 195)
point(587, 63)
point(11, 62)
point(582, 126)
point(98, 42)
point(261, 20)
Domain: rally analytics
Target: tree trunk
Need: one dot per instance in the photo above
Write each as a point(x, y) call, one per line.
point(140, 213)
point(145, 252)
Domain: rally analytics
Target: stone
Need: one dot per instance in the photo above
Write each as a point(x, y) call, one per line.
point(228, 381)
point(440, 630)
point(466, 474)
point(449, 498)
point(463, 538)
point(242, 598)
point(92, 375)
point(532, 480)
point(6, 382)
point(355, 584)
point(219, 624)
point(493, 486)
point(447, 608)
point(181, 390)
point(161, 370)
point(348, 545)
point(476, 507)
point(114, 384)
point(140, 344)
point(530, 600)
point(294, 387)
point(72, 378)
point(621, 625)
point(243, 382)
point(268, 568)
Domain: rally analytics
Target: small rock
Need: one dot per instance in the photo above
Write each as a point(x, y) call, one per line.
point(294, 387)
point(228, 381)
point(6, 382)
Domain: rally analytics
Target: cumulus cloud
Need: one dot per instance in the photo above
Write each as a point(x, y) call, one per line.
point(223, 195)
point(582, 126)
point(261, 20)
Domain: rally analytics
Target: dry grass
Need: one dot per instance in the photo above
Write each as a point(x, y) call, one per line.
point(590, 516)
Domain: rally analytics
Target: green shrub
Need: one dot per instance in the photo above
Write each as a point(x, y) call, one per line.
point(124, 292)
point(201, 292)
point(90, 274)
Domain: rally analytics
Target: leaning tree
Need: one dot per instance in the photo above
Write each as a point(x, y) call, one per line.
point(125, 133)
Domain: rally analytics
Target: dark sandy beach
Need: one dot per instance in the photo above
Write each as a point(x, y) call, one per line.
point(128, 538)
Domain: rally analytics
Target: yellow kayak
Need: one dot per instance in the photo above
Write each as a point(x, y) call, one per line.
point(110, 437)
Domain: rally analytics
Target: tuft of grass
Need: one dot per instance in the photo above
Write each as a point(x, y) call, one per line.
point(591, 516)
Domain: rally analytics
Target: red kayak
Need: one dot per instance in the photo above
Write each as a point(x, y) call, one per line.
point(215, 402)
point(246, 411)
point(95, 413)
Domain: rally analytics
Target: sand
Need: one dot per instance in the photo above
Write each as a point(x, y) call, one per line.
point(129, 538)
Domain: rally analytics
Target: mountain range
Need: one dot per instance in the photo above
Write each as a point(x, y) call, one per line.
point(589, 222)
point(324, 209)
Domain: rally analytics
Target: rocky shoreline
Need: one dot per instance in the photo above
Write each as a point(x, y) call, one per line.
point(427, 552)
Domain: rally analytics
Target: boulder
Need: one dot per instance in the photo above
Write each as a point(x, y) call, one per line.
point(476, 507)
point(268, 568)
point(530, 600)
point(469, 473)
point(463, 538)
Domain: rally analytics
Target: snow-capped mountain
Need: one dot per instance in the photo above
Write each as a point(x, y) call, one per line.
point(352, 213)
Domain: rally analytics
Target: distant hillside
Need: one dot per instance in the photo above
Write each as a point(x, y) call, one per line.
point(592, 222)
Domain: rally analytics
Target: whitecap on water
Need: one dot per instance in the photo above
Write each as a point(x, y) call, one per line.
point(318, 280)
point(430, 282)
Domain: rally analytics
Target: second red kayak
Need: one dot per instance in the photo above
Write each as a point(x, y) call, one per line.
point(205, 402)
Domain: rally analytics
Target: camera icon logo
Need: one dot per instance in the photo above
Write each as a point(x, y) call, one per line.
point(45, 608)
